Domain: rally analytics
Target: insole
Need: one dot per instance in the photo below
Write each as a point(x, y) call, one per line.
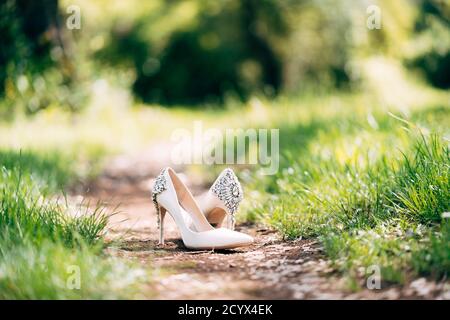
point(216, 217)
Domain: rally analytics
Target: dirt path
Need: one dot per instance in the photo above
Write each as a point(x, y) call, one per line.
point(271, 268)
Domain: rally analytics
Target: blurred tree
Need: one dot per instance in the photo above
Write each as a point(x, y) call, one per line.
point(193, 51)
point(227, 51)
point(258, 17)
point(320, 45)
point(33, 54)
point(25, 44)
point(12, 45)
point(433, 37)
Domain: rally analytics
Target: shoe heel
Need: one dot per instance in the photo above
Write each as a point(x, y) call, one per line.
point(231, 221)
point(161, 215)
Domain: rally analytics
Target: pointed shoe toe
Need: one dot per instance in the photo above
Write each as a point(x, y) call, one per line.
point(234, 239)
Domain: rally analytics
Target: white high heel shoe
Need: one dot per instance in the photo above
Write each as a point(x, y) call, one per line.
point(222, 199)
point(170, 194)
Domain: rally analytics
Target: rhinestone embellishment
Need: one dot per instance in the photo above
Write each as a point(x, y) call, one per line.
point(228, 189)
point(159, 186)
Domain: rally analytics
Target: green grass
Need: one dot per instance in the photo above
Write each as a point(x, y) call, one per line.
point(422, 189)
point(371, 191)
point(371, 186)
point(53, 271)
point(50, 171)
point(369, 180)
point(434, 256)
point(44, 251)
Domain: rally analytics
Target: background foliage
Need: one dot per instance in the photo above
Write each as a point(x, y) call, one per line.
point(190, 52)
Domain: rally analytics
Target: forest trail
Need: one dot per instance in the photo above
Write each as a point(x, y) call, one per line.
point(271, 268)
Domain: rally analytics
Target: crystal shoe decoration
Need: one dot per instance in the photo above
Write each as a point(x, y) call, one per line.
point(159, 186)
point(229, 191)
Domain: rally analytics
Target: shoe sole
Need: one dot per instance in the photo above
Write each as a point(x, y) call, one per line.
point(221, 247)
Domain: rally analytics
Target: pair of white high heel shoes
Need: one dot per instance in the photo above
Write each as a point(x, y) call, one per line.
point(194, 218)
